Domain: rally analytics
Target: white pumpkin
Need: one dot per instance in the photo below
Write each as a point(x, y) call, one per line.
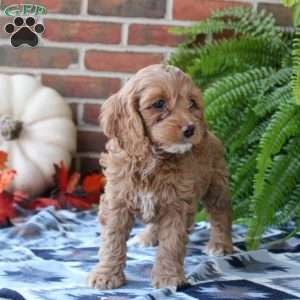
point(36, 130)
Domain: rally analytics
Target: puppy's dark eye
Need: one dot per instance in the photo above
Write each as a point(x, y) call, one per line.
point(159, 104)
point(193, 104)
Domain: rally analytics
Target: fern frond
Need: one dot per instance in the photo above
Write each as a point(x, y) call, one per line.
point(281, 77)
point(236, 55)
point(281, 178)
point(222, 96)
point(240, 20)
point(247, 22)
point(269, 103)
point(296, 67)
point(257, 132)
point(283, 125)
point(290, 209)
point(237, 137)
point(236, 12)
point(228, 123)
point(183, 54)
point(244, 166)
point(203, 27)
point(242, 183)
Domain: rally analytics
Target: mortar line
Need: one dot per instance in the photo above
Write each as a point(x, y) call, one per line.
point(113, 19)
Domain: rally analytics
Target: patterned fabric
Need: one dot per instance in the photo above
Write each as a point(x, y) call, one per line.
point(47, 257)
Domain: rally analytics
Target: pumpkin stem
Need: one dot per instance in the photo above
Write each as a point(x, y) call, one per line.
point(9, 128)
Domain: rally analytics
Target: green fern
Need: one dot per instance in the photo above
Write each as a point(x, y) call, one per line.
point(254, 137)
point(251, 84)
point(291, 208)
point(296, 67)
point(205, 27)
point(237, 139)
point(281, 179)
point(270, 102)
point(236, 86)
point(246, 21)
point(239, 20)
point(241, 183)
point(237, 54)
point(284, 124)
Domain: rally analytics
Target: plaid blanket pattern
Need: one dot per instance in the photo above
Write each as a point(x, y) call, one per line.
point(47, 257)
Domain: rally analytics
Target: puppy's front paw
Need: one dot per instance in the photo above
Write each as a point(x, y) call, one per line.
point(163, 281)
point(216, 248)
point(105, 281)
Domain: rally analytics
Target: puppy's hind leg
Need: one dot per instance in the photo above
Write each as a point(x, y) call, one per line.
point(218, 207)
point(147, 238)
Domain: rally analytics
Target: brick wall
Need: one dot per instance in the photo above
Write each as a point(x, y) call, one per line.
point(91, 47)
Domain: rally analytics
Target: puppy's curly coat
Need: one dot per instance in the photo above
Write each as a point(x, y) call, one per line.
point(161, 159)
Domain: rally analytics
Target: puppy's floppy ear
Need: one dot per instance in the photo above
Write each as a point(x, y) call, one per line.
point(135, 128)
point(110, 112)
point(120, 120)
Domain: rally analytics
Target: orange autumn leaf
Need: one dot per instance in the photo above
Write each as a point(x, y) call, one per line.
point(73, 182)
point(7, 206)
point(5, 179)
point(3, 159)
point(93, 183)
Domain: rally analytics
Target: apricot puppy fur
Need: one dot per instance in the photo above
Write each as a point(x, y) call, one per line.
point(160, 161)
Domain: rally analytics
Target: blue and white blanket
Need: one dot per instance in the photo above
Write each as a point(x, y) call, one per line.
point(48, 256)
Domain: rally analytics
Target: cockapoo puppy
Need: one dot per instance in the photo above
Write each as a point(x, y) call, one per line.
point(160, 161)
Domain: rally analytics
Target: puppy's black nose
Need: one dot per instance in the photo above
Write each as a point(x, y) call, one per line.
point(188, 131)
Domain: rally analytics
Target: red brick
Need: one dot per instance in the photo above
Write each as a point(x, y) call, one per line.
point(91, 113)
point(128, 8)
point(282, 14)
point(119, 61)
point(141, 34)
point(91, 141)
point(89, 164)
point(53, 6)
point(40, 57)
point(82, 31)
point(200, 9)
point(82, 86)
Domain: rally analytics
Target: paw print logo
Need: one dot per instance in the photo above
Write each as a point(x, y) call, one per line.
point(24, 32)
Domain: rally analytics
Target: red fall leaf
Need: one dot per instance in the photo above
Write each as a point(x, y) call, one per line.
point(7, 208)
point(73, 182)
point(6, 177)
point(76, 202)
point(65, 196)
point(43, 202)
point(93, 183)
point(65, 182)
point(20, 197)
point(61, 176)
